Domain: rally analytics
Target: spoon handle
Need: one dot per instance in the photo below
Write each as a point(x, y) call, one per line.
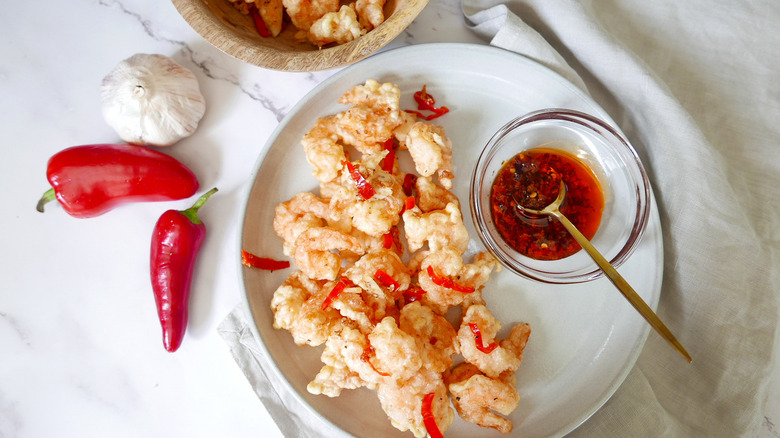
point(623, 286)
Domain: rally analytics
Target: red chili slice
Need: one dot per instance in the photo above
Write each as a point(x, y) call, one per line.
point(414, 293)
point(364, 187)
point(428, 419)
point(409, 204)
point(366, 357)
point(478, 339)
point(388, 162)
point(253, 261)
point(448, 282)
point(386, 279)
point(259, 23)
point(427, 102)
point(337, 289)
point(387, 241)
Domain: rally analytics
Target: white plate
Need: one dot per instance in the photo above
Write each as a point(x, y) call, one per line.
point(585, 337)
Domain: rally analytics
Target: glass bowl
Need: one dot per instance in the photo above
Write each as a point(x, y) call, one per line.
point(611, 158)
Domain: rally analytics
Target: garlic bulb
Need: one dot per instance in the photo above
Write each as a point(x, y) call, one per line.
point(152, 100)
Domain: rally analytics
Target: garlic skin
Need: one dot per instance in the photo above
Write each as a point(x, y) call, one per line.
point(152, 100)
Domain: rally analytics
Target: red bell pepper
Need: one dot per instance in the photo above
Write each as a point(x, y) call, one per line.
point(176, 241)
point(93, 179)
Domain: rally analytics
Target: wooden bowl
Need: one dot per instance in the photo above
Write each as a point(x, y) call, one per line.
point(227, 29)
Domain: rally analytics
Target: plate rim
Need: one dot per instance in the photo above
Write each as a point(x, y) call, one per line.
point(654, 220)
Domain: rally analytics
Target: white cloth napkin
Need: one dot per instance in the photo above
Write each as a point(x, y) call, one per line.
point(696, 92)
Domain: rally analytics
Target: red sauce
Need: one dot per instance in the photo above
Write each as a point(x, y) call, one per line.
point(532, 178)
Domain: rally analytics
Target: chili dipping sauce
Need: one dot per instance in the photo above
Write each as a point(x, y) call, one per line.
point(532, 178)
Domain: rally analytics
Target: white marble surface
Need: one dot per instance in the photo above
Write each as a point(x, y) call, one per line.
point(81, 348)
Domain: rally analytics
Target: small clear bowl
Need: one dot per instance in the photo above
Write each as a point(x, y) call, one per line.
point(614, 162)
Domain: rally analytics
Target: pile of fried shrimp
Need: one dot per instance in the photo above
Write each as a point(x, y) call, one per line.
point(380, 260)
point(321, 22)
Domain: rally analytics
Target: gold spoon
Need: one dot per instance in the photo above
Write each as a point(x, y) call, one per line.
point(553, 210)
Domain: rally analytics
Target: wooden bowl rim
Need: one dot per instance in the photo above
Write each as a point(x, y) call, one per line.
point(201, 18)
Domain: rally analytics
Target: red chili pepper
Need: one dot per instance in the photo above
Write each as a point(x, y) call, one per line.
point(365, 188)
point(428, 419)
point(408, 184)
point(414, 293)
point(259, 23)
point(408, 204)
point(387, 240)
point(388, 162)
point(426, 102)
point(93, 179)
point(478, 339)
point(386, 279)
point(366, 357)
point(337, 289)
point(448, 282)
point(176, 240)
point(253, 261)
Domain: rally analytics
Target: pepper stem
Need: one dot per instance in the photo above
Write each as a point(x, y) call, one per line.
point(47, 197)
point(192, 212)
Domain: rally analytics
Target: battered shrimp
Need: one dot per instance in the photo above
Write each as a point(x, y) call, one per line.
point(448, 263)
point(364, 273)
point(431, 151)
point(347, 364)
point(323, 149)
point(303, 13)
point(374, 216)
point(336, 27)
point(381, 97)
point(402, 130)
point(297, 308)
point(396, 352)
point(366, 128)
point(272, 13)
point(505, 357)
point(440, 228)
point(302, 212)
point(435, 336)
point(479, 399)
point(314, 252)
point(402, 402)
point(370, 12)
point(431, 196)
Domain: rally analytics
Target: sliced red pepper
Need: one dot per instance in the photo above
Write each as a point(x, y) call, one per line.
point(478, 339)
point(387, 240)
point(428, 419)
point(388, 162)
point(386, 279)
point(366, 357)
point(259, 23)
point(414, 293)
point(448, 282)
point(408, 184)
point(253, 261)
point(408, 204)
point(427, 102)
point(364, 187)
point(337, 289)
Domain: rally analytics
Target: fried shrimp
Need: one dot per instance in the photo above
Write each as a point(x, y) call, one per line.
point(381, 258)
point(402, 402)
point(323, 149)
point(439, 228)
point(480, 399)
point(316, 251)
point(431, 151)
point(336, 27)
point(370, 12)
point(303, 211)
point(303, 13)
point(297, 308)
point(506, 356)
point(272, 13)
